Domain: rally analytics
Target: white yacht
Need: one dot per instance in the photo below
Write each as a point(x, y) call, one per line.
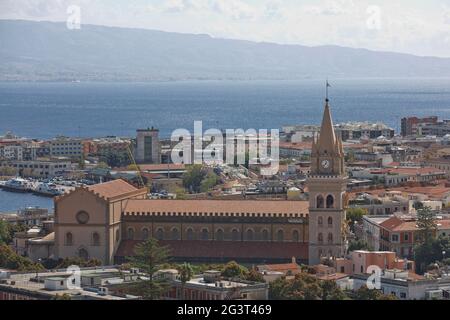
point(18, 185)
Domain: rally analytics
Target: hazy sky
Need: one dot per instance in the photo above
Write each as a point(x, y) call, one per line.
point(414, 26)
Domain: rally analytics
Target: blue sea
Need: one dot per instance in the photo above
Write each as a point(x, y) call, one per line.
point(44, 110)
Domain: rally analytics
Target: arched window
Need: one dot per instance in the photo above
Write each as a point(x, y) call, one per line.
point(295, 236)
point(205, 234)
point(320, 201)
point(117, 235)
point(175, 234)
point(130, 234)
point(95, 239)
point(330, 202)
point(69, 239)
point(235, 236)
point(320, 221)
point(280, 235)
point(330, 238)
point(265, 235)
point(83, 254)
point(160, 234)
point(145, 234)
point(190, 234)
point(219, 235)
point(320, 237)
point(249, 235)
point(330, 221)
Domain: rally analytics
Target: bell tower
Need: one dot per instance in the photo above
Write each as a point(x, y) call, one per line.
point(327, 185)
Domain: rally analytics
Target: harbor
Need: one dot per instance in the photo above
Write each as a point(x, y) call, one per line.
point(48, 188)
point(17, 192)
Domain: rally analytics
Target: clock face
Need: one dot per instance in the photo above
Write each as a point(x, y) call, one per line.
point(325, 164)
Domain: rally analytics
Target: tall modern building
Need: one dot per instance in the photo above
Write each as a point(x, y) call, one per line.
point(147, 146)
point(327, 187)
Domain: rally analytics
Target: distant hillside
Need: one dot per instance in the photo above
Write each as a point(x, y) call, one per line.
point(50, 51)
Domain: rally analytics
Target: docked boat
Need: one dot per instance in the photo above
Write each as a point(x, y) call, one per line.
point(48, 189)
point(17, 185)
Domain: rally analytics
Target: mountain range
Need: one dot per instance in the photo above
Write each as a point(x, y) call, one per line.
point(49, 51)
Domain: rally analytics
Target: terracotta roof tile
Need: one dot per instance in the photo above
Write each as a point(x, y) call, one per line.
point(112, 188)
point(218, 206)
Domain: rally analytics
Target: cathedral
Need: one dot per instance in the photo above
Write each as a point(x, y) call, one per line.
point(106, 221)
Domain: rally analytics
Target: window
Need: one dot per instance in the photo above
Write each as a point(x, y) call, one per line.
point(330, 221)
point(95, 239)
point(330, 202)
point(402, 295)
point(175, 234)
point(190, 234)
point(130, 234)
point(395, 238)
point(83, 254)
point(117, 235)
point(82, 217)
point(69, 239)
point(205, 235)
point(330, 238)
point(280, 235)
point(320, 201)
point(250, 235)
point(362, 269)
point(320, 237)
point(160, 234)
point(406, 237)
point(265, 235)
point(219, 235)
point(235, 235)
point(320, 221)
point(145, 234)
point(295, 236)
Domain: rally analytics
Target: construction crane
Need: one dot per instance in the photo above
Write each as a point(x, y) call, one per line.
point(138, 168)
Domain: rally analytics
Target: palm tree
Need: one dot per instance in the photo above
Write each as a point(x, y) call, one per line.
point(186, 273)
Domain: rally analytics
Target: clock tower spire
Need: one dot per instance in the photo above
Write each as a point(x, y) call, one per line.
point(327, 186)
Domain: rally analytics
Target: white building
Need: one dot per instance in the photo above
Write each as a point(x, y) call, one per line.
point(66, 147)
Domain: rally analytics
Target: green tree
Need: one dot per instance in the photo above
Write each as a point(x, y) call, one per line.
point(426, 223)
point(365, 293)
point(425, 241)
point(233, 270)
point(4, 232)
point(432, 252)
point(186, 272)
point(77, 261)
point(208, 182)
point(358, 245)
point(254, 275)
point(355, 215)
point(331, 291)
point(193, 177)
point(149, 256)
point(11, 260)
